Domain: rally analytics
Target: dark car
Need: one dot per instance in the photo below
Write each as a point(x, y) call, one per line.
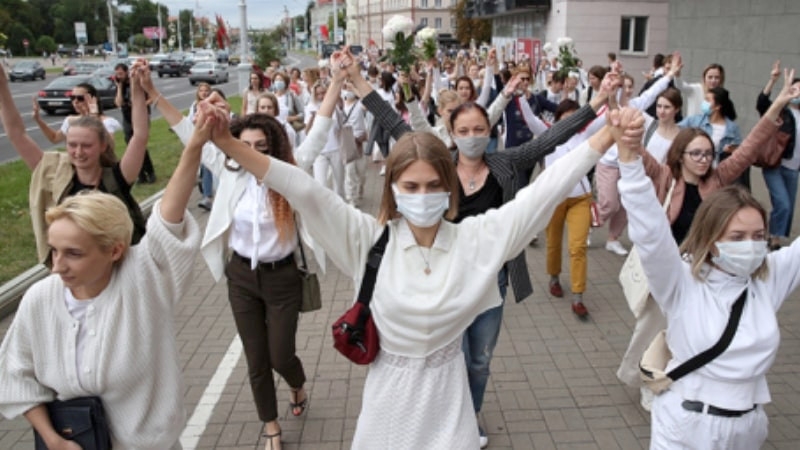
point(174, 66)
point(56, 95)
point(26, 70)
point(328, 49)
point(83, 67)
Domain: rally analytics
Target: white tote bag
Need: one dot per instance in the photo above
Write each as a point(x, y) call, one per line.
point(632, 276)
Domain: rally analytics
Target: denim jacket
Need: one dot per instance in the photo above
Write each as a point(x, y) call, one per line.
point(732, 136)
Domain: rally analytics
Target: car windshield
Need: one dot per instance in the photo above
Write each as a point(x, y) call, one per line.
point(24, 65)
point(203, 65)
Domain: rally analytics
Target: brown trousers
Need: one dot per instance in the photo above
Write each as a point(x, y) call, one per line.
point(265, 304)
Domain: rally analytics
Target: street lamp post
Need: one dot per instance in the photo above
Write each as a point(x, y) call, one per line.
point(244, 68)
point(112, 34)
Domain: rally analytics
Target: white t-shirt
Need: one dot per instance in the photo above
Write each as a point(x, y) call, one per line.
point(78, 309)
point(658, 146)
point(717, 133)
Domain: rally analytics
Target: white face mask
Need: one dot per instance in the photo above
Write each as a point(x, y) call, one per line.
point(473, 147)
point(348, 95)
point(740, 258)
point(422, 210)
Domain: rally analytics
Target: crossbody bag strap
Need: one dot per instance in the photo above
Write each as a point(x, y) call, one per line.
point(705, 357)
point(373, 263)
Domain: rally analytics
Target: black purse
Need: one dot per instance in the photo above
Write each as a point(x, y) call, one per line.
point(82, 420)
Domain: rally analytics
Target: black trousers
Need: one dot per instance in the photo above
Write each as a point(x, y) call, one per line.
point(265, 304)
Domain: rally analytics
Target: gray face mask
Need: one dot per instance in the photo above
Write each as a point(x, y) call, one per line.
point(473, 147)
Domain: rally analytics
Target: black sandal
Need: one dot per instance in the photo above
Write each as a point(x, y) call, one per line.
point(295, 406)
point(269, 439)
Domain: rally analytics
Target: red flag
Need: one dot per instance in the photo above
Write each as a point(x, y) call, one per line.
point(323, 31)
point(223, 40)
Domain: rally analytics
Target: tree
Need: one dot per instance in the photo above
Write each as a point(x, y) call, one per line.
point(342, 23)
point(142, 42)
point(17, 33)
point(267, 45)
point(3, 40)
point(46, 44)
point(466, 29)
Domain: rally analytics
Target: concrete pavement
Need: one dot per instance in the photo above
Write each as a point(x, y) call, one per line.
point(553, 383)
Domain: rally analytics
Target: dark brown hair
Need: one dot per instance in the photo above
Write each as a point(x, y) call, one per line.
point(679, 144)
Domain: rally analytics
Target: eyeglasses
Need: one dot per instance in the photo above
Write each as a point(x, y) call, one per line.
point(77, 98)
point(699, 155)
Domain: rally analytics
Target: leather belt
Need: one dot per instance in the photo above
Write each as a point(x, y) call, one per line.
point(701, 407)
point(289, 259)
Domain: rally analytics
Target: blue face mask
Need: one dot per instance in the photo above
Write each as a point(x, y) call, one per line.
point(279, 85)
point(705, 107)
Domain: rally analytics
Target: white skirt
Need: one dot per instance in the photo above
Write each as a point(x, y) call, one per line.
point(417, 403)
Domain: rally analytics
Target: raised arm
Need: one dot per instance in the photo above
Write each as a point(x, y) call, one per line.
point(498, 106)
point(313, 144)
point(488, 77)
point(649, 96)
point(171, 114)
point(15, 128)
point(763, 102)
point(132, 160)
point(184, 178)
point(534, 123)
point(383, 113)
point(53, 135)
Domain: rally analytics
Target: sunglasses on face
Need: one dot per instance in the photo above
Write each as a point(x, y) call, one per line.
point(77, 98)
point(699, 155)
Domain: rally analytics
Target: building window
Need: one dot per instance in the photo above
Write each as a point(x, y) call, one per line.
point(452, 24)
point(423, 3)
point(437, 23)
point(633, 35)
point(423, 21)
point(437, 3)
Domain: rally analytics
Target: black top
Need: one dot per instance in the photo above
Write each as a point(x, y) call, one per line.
point(691, 201)
point(487, 197)
point(77, 186)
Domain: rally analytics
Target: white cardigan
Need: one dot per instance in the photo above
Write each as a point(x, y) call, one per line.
point(697, 311)
point(231, 187)
point(417, 314)
point(130, 359)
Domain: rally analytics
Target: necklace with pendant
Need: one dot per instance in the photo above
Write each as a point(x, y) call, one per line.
point(471, 184)
point(427, 260)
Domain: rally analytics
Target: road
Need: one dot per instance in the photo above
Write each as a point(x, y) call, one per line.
point(177, 90)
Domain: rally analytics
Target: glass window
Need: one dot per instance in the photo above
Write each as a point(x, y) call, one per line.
point(437, 23)
point(633, 35)
point(423, 21)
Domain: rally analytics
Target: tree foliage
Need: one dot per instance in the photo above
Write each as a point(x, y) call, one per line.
point(467, 29)
point(267, 46)
point(46, 44)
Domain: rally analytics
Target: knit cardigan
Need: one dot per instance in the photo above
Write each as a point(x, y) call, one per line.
point(131, 358)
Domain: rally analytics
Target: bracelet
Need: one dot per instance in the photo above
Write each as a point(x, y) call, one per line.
point(155, 102)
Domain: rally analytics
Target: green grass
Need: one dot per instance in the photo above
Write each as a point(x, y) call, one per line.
point(17, 244)
point(54, 70)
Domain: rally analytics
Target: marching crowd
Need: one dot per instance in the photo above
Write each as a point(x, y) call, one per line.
point(459, 140)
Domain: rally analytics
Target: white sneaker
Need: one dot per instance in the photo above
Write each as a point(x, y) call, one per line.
point(484, 440)
point(616, 247)
point(383, 171)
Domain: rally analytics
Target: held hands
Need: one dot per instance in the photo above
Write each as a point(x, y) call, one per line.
point(204, 122)
point(611, 82)
point(339, 62)
point(627, 127)
point(217, 112)
point(35, 108)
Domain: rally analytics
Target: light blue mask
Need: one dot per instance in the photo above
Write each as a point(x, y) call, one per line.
point(279, 85)
point(705, 108)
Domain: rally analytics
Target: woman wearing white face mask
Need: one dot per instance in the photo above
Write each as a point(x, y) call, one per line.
point(434, 279)
point(719, 405)
point(487, 181)
point(290, 106)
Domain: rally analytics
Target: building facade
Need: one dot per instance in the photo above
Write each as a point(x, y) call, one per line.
point(633, 29)
point(369, 16)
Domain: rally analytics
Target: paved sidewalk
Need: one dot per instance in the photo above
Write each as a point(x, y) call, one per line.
point(553, 383)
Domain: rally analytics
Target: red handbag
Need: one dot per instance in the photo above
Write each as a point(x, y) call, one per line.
point(354, 333)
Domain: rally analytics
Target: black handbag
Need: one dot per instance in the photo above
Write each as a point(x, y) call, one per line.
point(82, 420)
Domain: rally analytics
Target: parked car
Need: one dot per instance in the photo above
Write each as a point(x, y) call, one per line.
point(55, 96)
point(155, 60)
point(204, 56)
point(27, 70)
point(234, 60)
point(79, 67)
point(210, 72)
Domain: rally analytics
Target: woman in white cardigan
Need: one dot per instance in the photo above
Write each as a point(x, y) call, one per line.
point(434, 279)
point(258, 224)
point(101, 324)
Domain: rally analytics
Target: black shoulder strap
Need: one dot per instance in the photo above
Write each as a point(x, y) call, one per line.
point(112, 186)
point(705, 357)
point(650, 131)
point(373, 263)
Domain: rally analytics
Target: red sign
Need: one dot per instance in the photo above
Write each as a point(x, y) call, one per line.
point(154, 32)
point(25, 42)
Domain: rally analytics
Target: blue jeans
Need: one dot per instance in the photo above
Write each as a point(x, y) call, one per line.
point(480, 338)
point(782, 185)
point(206, 182)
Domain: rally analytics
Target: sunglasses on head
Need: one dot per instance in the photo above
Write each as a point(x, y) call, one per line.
point(78, 98)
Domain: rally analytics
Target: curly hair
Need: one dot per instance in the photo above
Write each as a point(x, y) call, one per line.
point(279, 148)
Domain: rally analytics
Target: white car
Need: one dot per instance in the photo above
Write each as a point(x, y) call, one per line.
point(155, 60)
point(210, 72)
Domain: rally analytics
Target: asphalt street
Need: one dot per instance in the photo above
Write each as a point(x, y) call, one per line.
point(177, 90)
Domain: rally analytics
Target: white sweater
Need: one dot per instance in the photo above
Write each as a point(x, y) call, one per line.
point(697, 311)
point(417, 314)
point(130, 359)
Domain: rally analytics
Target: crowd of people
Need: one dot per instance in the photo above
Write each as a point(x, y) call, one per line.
point(459, 140)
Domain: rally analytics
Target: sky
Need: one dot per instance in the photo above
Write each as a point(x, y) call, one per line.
point(260, 13)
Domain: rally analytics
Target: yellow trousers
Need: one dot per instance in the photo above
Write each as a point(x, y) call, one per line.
point(574, 211)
